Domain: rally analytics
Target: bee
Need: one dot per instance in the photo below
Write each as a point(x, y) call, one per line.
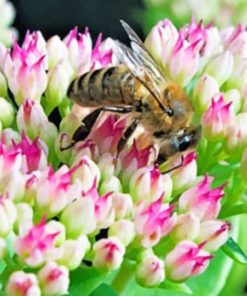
point(137, 86)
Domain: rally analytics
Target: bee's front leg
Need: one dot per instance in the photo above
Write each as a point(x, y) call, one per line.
point(127, 134)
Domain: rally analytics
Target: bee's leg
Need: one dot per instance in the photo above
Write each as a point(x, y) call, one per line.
point(84, 129)
point(87, 123)
point(176, 166)
point(124, 109)
point(127, 134)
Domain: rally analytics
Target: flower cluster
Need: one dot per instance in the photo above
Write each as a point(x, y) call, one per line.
point(90, 207)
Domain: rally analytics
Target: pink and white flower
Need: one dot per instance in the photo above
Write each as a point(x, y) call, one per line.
point(35, 247)
point(153, 222)
point(184, 176)
point(213, 234)
point(23, 284)
point(108, 133)
point(217, 119)
point(55, 190)
point(54, 279)
point(148, 184)
point(182, 51)
point(161, 41)
point(185, 260)
point(108, 254)
point(79, 50)
point(25, 70)
point(202, 200)
point(150, 271)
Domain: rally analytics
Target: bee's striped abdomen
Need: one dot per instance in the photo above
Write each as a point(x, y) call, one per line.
point(114, 85)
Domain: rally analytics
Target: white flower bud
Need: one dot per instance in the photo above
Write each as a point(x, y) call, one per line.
point(124, 230)
point(122, 205)
point(112, 184)
point(71, 253)
point(151, 271)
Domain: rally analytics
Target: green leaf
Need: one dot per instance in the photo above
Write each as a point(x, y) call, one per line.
point(2, 266)
point(104, 290)
point(233, 250)
point(84, 280)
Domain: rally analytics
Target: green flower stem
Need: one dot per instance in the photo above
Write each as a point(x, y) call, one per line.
point(207, 157)
point(123, 277)
point(232, 207)
point(233, 211)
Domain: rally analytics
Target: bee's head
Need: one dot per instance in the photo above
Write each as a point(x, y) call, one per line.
point(178, 143)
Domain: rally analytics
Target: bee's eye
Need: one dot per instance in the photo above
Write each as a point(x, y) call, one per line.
point(184, 143)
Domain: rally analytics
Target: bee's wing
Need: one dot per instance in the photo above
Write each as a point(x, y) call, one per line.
point(142, 54)
point(127, 56)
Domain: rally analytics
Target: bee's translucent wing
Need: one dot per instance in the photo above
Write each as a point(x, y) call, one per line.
point(142, 54)
point(127, 56)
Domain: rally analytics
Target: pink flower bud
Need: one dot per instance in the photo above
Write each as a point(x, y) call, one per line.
point(150, 271)
point(25, 72)
point(185, 260)
point(108, 133)
point(79, 50)
point(161, 40)
point(56, 51)
point(184, 176)
point(79, 217)
point(8, 215)
point(34, 154)
point(100, 56)
point(122, 205)
point(148, 184)
point(32, 120)
point(134, 158)
point(205, 88)
point(34, 247)
point(202, 200)
point(108, 254)
point(186, 228)
point(3, 248)
point(220, 66)
point(123, 230)
point(217, 119)
point(54, 279)
point(213, 234)
point(22, 284)
point(55, 190)
point(71, 253)
point(153, 222)
point(179, 70)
